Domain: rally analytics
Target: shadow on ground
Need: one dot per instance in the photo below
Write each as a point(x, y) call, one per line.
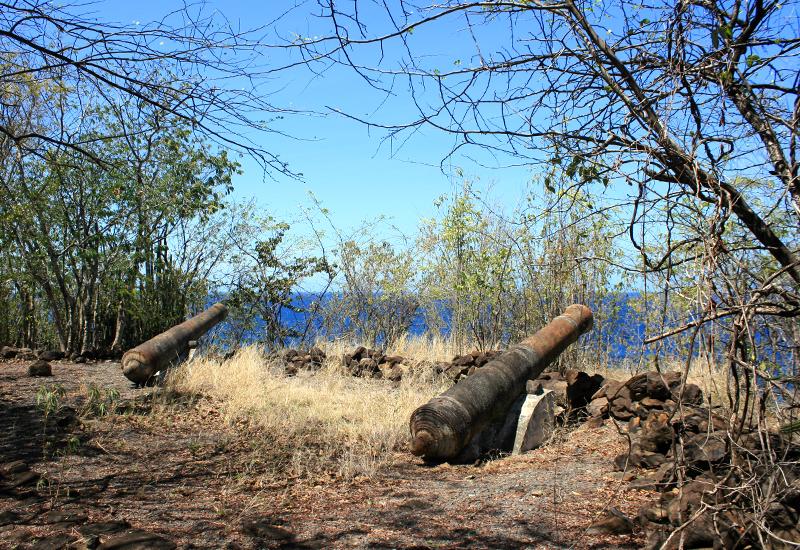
point(26, 435)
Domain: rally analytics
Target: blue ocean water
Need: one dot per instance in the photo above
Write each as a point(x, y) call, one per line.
point(618, 334)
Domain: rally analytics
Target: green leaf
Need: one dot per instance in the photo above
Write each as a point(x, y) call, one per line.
point(752, 59)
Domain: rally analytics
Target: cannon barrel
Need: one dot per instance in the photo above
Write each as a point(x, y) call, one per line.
point(441, 428)
point(142, 362)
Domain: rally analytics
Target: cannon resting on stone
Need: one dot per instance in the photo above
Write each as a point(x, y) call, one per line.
point(442, 428)
point(141, 363)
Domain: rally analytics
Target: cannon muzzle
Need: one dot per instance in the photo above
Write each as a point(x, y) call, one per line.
point(441, 428)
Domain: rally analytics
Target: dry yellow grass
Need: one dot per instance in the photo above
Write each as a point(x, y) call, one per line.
point(322, 422)
point(329, 421)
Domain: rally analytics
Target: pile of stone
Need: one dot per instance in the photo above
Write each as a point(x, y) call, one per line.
point(573, 389)
point(372, 363)
point(50, 355)
point(365, 362)
point(40, 360)
point(643, 393)
point(28, 354)
point(462, 366)
point(19, 354)
point(648, 402)
point(686, 452)
point(361, 362)
point(40, 368)
point(719, 482)
point(296, 360)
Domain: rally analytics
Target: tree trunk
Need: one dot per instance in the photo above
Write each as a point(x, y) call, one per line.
point(29, 320)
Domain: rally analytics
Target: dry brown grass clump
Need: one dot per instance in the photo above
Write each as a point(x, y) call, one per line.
point(314, 422)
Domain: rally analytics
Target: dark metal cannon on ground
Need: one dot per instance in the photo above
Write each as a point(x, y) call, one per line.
point(444, 426)
point(141, 363)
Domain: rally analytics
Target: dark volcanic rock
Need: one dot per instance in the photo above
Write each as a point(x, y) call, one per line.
point(657, 433)
point(621, 407)
point(264, 530)
point(626, 461)
point(92, 534)
point(691, 394)
point(51, 355)
point(553, 382)
point(659, 479)
point(581, 387)
point(609, 389)
point(9, 517)
point(394, 373)
point(660, 385)
point(613, 522)
point(53, 542)
point(704, 450)
point(463, 360)
point(64, 518)
point(637, 386)
point(359, 352)
point(135, 539)
point(456, 372)
point(688, 499)
point(597, 407)
point(651, 403)
point(40, 368)
point(655, 513)
point(13, 467)
point(103, 528)
point(25, 354)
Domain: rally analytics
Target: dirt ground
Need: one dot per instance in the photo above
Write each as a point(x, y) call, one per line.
point(186, 479)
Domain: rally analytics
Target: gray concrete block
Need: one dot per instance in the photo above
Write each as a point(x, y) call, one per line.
point(536, 422)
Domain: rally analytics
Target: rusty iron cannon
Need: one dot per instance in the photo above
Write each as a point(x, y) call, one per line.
point(141, 363)
point(443, 427)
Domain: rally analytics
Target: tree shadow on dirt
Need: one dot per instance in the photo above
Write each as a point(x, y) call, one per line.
point(268, 532)
point(28, 435)
point(415, 524)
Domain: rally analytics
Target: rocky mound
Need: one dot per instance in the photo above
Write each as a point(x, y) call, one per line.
point(11, 353)
point(296, 360)
point(713, 483)
point(573, 389)
point(372, 363)
point(40, 368)
point(462, 366)
point(20, 354)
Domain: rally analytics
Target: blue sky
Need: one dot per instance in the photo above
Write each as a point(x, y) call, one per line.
point(344, 164)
